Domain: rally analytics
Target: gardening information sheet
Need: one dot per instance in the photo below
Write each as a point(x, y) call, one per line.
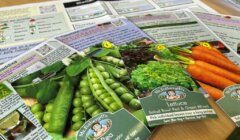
point(23, 27)
point(226, 27)
point(176, 28)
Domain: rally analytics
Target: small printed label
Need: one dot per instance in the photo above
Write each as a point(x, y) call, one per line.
point(170, 104)
point(107, 126)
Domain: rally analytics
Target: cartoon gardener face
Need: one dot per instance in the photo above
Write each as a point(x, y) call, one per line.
point(171, 93)
point(96, 127)
point(238, 92)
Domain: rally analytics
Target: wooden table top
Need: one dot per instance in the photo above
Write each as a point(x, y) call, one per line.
point(210, 129)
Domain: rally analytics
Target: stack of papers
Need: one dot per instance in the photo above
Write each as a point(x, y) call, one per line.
point(113, 69)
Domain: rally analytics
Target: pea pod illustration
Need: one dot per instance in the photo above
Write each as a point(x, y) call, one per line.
point(113, 60)
point(117, 72)
point(122, 91)
point(101, 91)
point(62, 105)
point(89, 103)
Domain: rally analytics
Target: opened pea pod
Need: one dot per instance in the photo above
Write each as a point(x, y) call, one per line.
point(89, 103)
point(101, 91)
point(122, 91)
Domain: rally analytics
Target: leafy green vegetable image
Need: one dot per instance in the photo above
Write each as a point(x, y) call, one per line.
point(77, 67)
point(154, 74)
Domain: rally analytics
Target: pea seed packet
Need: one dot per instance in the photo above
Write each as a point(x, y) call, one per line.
point(87, 95)
point(230, 102)
point(106, 126)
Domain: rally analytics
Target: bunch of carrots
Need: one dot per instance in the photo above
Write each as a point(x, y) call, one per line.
point(213, 71)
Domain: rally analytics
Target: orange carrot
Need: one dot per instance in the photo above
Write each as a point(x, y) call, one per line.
point(216, 50)
point(200, 55)
point(208, 77)
point(212, 91)
point(211, 52)
point(219, 71)
point(212, 49)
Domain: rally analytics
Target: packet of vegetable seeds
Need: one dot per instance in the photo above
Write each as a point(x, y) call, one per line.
point(84, 96)
point(71, 93)
point(166, 92)
point(218, 76)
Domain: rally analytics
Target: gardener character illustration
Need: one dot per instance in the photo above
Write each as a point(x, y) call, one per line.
point(237, 94)
point(100, 129)
point(172, 95)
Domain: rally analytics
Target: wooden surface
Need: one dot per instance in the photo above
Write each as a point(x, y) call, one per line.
point(210, 129)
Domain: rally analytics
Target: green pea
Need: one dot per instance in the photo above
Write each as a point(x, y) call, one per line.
point(86, 98)
point(93, 75)
point(104, 95)
point(123, 72)
point(77, 102)
point(105, 75)
point(108, 100)
point(109, 58)
point(36, 107)
point(115, 61)
point(90, 70)
point(97, 86)
point(95, 80)
point(46, 126)
point(88, 104)
point(109, 81)
point(46, 117)
point(76, 126)
point(49, 107)
point(120, 90)
point(84, 83)
point(77, 117)
point(77, 110)
point(96, 112)
point(114, 106)
point(99, 92)
point(39, 116)
point(100, 68)
point(91, 109)
point(121, 63)
point(135, 104)
point(115, 85)
point(85, 90)
point(127, 97)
